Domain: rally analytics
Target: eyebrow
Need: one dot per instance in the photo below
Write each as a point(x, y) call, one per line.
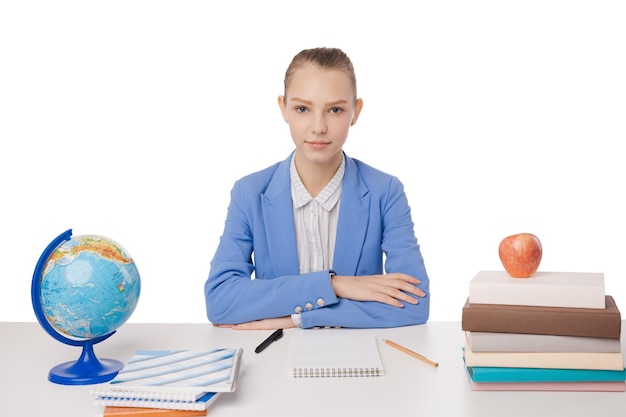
point(309, 102)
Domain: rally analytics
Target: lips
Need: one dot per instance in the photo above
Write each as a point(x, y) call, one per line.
point(317, 144)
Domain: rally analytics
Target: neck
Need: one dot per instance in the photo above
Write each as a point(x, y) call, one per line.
point(315, 176)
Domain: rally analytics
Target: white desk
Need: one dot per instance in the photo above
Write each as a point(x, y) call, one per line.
point(409, 386)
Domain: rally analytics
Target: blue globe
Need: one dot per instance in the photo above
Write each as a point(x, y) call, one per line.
point(84, 288)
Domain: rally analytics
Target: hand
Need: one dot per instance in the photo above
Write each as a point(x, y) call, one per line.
point(385, 288)
point(265, 324)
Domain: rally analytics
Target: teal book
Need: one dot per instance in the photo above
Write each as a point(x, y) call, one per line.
point(497, 374)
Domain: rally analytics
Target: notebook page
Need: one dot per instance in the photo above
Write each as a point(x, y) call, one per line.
point(334, 353)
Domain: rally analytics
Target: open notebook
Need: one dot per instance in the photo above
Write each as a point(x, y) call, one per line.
point(334, 353)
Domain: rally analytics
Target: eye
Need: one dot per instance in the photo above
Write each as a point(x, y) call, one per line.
point(301, 109)
point(335, 110)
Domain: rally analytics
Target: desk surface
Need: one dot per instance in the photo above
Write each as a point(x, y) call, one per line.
point(409, 386)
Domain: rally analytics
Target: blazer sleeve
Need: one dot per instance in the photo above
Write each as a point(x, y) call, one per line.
point(231, 295)
point(390, 221)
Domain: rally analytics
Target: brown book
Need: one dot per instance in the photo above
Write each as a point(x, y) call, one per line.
point(562, 321)
point(110, 411)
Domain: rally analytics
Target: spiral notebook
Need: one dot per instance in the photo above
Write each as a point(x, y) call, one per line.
point(201, 404)
point(175, 375)
point(334, 353)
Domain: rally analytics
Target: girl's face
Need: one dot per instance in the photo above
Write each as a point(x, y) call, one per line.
point(319, 108)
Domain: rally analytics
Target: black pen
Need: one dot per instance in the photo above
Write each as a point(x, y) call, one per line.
point(273, 337)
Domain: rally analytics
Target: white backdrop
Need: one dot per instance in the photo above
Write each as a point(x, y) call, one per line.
point(132, 119)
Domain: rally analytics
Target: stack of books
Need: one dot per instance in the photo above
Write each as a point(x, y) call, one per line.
point(554, 331)
point(170, 383)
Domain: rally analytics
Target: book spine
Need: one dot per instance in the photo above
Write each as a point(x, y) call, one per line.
point(550, 360)
point(550, 296)
point(550, 386)
point(113, 411)
point(516, 342)
point(495, 374)
point(483, 318)
point(544, 289)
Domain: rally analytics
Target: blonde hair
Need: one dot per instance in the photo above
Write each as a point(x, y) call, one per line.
point(324, 58)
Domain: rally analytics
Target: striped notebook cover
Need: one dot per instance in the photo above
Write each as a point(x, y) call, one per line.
point(175, 375)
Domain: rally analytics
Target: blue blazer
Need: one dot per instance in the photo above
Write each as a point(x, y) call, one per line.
point(259, 241)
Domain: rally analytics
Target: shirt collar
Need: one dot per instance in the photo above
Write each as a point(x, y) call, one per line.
point(327, 198)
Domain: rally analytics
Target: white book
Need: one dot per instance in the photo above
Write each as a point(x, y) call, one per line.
point(544, 289)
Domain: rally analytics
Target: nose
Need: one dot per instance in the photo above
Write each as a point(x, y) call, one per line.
point(319, 125)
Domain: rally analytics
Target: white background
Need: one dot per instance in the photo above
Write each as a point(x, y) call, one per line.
point(132, 119)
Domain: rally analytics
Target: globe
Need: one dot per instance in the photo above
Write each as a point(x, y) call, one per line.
point(84, 288)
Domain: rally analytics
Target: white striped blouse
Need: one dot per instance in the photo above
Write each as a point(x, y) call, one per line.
point(316, 220)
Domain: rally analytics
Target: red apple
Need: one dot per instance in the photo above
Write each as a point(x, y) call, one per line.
point(520, 254)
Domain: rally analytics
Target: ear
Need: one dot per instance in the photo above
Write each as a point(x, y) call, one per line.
point(283, 109)
point(357, 110)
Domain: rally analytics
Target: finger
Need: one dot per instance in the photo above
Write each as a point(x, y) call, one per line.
point(391, 301)
point(414, 290)
point(406, 298)
point(395, 297)
point(406, 287)
point(403, 277)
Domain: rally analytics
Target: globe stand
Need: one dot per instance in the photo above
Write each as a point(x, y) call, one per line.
point(88, 369)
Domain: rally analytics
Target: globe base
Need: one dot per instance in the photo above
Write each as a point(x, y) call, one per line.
point(69, 374)
point(88, 369)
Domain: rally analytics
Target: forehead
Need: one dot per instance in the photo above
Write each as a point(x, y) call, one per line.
point(312, 81)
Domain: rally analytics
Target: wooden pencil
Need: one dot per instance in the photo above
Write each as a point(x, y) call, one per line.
point(411, 353)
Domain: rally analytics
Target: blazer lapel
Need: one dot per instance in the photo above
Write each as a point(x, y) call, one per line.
point(353, 221)
point(279, 225)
